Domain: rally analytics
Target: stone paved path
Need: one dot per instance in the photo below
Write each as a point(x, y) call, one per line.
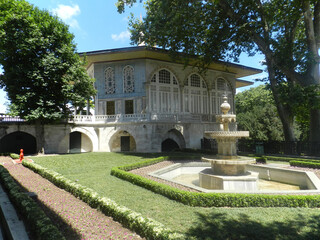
point(74, 218)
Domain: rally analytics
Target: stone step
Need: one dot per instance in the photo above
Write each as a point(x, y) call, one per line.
point(13, 228)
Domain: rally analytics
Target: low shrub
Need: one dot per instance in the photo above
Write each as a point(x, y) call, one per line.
point(14, 156)
point(36, 220)
point(288, 159)
point(215, 199)
point(146, 227)
point(261, 159)
point(307, 164)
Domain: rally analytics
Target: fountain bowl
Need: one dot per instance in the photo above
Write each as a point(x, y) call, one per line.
point(228, 165)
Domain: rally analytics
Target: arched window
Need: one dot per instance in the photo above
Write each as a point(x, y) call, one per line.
point(196, 95)
point(164, 93)
point(221, 87)
point(128, 79)
point(110, 85)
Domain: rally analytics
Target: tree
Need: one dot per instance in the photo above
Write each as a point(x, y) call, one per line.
point(287, 32)
point(257, 113)
point(43, 76)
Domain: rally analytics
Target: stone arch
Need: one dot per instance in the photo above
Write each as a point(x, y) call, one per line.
point(169, 145)
point(175, 138)
point(202, 76)
point(17, 140)
point(163, 67)
point(122, 141)
point(89, 139)
point(232, 88)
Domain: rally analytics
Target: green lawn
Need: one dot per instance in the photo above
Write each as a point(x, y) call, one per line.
point(93, 171)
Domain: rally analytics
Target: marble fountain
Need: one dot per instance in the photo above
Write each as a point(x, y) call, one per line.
point(228, 172)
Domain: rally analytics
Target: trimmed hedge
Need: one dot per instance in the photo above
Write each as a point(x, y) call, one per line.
point(308, 164)
point(14, 156)
point(288, 159)
point(37, 221)
point(146, 227)
point(197, 199)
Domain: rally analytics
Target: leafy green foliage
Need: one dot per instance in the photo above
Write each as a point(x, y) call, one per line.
point(40, 225)
point(285, 31)
point(14, 156)
point(306, 163)
point(301, 100)
point(257, 113)
point(43, 75)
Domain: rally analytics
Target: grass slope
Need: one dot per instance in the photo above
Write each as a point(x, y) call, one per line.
point(93, 171)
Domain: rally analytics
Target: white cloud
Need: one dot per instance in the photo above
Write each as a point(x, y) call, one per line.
point(123, 36)
point(67, 14)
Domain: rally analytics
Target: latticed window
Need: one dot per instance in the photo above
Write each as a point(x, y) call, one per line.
point(164, 76)
point(195, 80)
point(221, 88)
point(110, 85)
point(221, 84)
point(128, 79)
point(174, 81)
point(196, 95)
point(164, 93)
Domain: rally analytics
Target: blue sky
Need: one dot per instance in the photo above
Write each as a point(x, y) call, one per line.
point(97, 25)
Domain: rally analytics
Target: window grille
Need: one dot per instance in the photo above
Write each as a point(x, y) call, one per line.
point(195, 80)
point(221, 84)
point(153, 79)
point(110, 85)
point(175, 81)
point(128, 79)
point(164, 76)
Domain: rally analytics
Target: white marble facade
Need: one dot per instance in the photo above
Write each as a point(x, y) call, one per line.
point(146, 102)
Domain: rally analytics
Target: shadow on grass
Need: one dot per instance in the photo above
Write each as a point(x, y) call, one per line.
point(67, 231)
point(220, 227)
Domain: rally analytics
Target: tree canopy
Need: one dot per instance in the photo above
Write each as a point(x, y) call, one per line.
point(257, 113)
point(287, 32)
point(43, 75)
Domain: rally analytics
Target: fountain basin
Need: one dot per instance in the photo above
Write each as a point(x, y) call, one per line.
point(229, 165)
point(246, 182)
point(187, 174)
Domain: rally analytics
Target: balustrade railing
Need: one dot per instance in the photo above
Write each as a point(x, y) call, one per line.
point(7, 118)
point(148, 117)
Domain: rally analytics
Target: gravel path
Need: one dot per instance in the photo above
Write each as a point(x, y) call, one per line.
point(75, 219)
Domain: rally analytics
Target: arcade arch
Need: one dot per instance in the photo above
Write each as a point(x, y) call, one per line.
point(15, 141)
point(83, 140)
point(173, 140)
point(122, 141)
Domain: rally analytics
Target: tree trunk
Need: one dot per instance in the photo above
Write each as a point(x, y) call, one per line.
point(285, 114)
point(40, 136)
point(312, 27)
